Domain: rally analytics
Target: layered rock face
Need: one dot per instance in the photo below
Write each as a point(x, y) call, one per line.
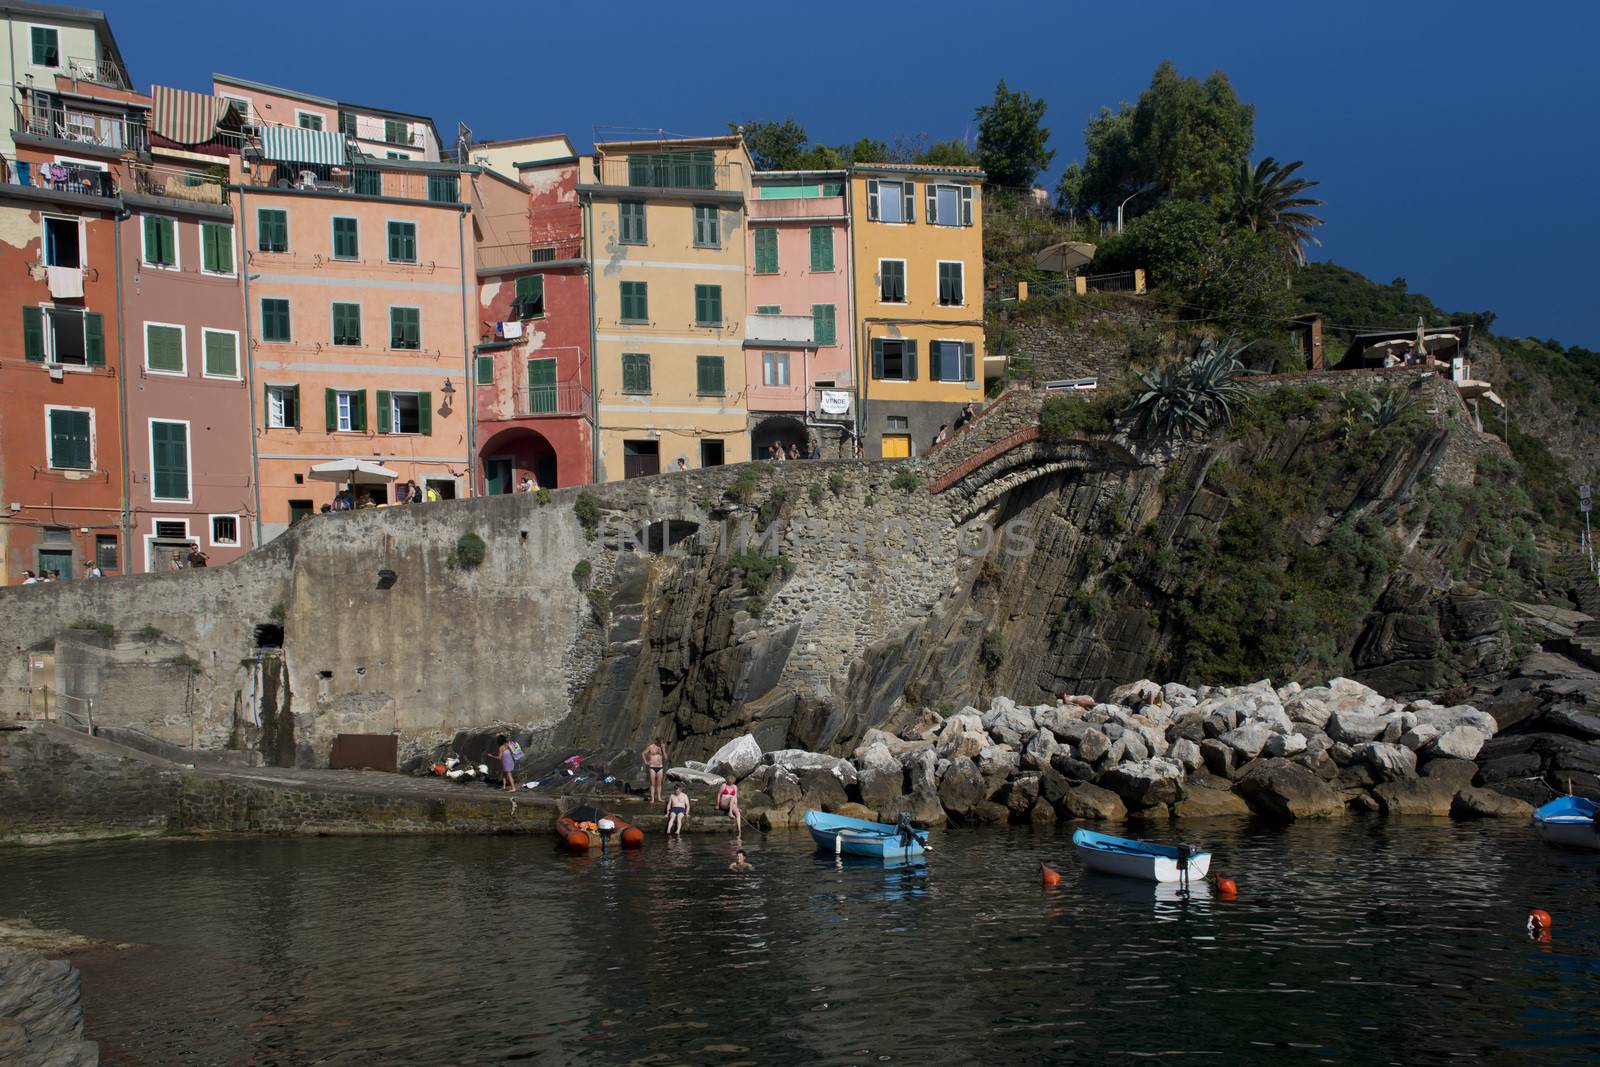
point(41, 1014)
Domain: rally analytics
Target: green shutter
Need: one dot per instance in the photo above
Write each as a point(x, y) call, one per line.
point(163, 348)
point(330, 408)
point(425, 414)
point(272, 226)
point(69, 440)
point(635, 302)
point(274, 319)
point(911, 361)
point(541, 386)
point(635, 372)
point(346, 242)
point(346, 324)
point(767, 250)
point(403, 242)
point(821, 248)
point(485, 370)
point(708, 305)
point(94, 339)
point(877, 357)
point(935, 359)
point(969, 362)
point(216, 248)
point(385, 410)
point(33, 334)
point(358, 410)
point(530, 297)
point(170, 461)
point(159, 241)
point(46, 47)
point(708, 375)
point(221, 355)
point(824, 330)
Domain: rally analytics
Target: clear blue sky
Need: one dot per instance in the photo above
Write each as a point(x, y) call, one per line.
point(1456, 143)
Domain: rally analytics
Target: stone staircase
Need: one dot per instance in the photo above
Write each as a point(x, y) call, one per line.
point(1584, 589)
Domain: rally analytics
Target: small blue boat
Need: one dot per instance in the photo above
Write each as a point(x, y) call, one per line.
point(1569, 820)
point(1140, 859)
point(857, 837)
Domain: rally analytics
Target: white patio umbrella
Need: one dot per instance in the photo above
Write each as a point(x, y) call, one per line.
point(354, 471)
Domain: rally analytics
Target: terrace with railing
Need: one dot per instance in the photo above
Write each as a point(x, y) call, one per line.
point(358, 180)
point(522, 253)
point(556, 398)
point(667, 170)
point(809, 207)
point(59, 177)
point(77, 126)
point(99, 71)
point(178, 183)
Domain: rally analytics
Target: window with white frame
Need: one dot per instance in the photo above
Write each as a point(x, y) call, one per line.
point(159, 242)
point(308, 120)
point(71, 438)
point(221, 353)
point(952, 288)
point(164, 348)
point(950, 205)
point(225, 531)
point(891, 201)
point(63, 245)
point(283, 406)
point(892, 281)
point(406, 412)
point(169, 460)
point(775, 368)
point(45, 42)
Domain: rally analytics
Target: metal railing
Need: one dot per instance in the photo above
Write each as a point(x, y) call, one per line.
point(492, 257)
point(561, 398)
point(178, 183)
point(103, 71)
point(59, 177)
point(81, 127)
point(666, 170)
point(358, 181)
point(222, 143)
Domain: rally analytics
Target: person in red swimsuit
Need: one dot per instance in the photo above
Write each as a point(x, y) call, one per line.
point(728, 800)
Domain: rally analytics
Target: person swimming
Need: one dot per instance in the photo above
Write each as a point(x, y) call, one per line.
point(677, 811)
point(740, 863)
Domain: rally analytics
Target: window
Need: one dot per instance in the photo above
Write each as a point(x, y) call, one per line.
point(444, 189)
point(708, 305)
point(951, 291)
point(541, 385)
point(711, 453)
point(347, 123)
point(46, 46)
point(951, 361)
point(396, 132)
point(402, 242)
point(346, 238)
point(345, 410)
point(636, 373)
point(272, 229)
point(894, 360)
point(708, 375)
point(308, 120)
point(892, 281)
point(216, 248)
point(630, 226)
point(405, 328)
point(821, 249)
point(769, 309)
point(766, 238)
point(221, 353)
point(529, 303)
point(405, 413)
point(950, 205)
point(897, 422)
point(707, 227)
point(892, 201)
point(283, 407)
point(224, 531)
point(71, 439)
point(635, 302)
point(169, 460)
point(823, 329)
point(275, 319)
point(62, 247)
point(395, 155)
point(63, 335)
point(346, 324)
point(485, 370)
point(775, 368)
point(105, 551)
point(673, 170)
point(160, 242)
point(366, 181)
point(163, 348)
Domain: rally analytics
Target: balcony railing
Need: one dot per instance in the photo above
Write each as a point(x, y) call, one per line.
point(82, 127)
point(179, 183)
point(779, 329)
point(102, 71)
point(560, 398)
point(666, 170)
point(60, 177)
point(359, 181)
point(222, 143)
point(498, 257)
point(797, 207)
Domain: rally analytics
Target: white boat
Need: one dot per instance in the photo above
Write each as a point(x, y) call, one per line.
point(1139, 859)
point(1569, 820)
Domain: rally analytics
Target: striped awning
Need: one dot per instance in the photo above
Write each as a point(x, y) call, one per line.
point(185, 117)
point(291, 144)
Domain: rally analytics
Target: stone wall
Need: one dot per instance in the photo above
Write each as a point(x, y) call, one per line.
point(1082, 338)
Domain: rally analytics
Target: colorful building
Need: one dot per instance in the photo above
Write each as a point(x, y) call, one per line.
point(376, 132)
point(917, 253)
point(533, 392)
point(798, 352)
point(58, 51)
point(665, 245)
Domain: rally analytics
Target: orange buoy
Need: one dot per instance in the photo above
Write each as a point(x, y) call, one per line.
point(578, 841)
point(1539, 924)
point(1049, 876)
point(1227, 888)
point(632, 837)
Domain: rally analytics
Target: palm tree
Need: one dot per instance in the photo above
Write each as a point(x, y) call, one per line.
point(1268, 197)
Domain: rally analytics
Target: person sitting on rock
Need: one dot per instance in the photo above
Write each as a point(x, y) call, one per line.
point(728, 800)
point(677, 811)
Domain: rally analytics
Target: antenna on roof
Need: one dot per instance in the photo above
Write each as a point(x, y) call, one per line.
point(463, 143)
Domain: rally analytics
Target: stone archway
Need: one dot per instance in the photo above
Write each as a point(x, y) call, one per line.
point(783, 430)
point(514, 453)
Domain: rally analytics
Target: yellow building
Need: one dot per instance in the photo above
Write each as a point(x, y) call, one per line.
point(916, 242)
point(664, 236)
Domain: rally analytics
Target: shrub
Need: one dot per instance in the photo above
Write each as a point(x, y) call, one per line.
point(904, 481)
point(871, 501)
point(836, 483)
point(773, 505)
point(105, 629)
point(278, 613)
point(600, 601)
point(470, 550)
point(757, 570)
point(587, 509)
point(992, 651)
point(542, 495)
point(743, 488)
point(1061, 418)
point(148, 633)
point(580, 573)
point(183, 659)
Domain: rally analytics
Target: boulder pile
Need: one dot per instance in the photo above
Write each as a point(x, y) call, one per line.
point(1150, 751)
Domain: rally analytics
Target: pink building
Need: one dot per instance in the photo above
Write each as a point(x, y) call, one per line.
point(797, 335)
point(377, 132)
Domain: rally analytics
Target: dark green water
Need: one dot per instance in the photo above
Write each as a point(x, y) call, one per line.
point(1368, 942)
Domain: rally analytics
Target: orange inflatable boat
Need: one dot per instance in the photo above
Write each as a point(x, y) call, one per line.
point(586, 826)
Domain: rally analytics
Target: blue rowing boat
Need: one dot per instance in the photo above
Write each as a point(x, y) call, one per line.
point(1140, 859)
point(1569, 820)
point(857, 837)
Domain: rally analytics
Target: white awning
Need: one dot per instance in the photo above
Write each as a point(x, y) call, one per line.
point(354, 471)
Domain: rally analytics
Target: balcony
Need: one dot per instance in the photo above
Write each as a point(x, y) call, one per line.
point(358, 181)
point(75, 126)
point(667, 170)
point(492, 258)
point(59, 177)
point(561, 398)
point(788, 330)
point(99, 71)
point(178, 183)
point(223, 143)
point(810, 207)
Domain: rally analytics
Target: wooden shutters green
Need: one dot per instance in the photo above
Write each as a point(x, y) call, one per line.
point(708, 375)
point(221, 354)
point(346, 239)
point(530, 297)
point(272, 229)
point(94, 339)
point(385, 411)
point(396, 132)
point(160, 241)
point(163, 348)
point(216, 248)
point(636, 373)
point(425, 414)
point(405, 328)
point(357, 401)
point(769, 309)
point(274, 319)
point(892, 281)
point(46, 46)
point(33, 334)
point(347, 324)
point(766, 238)
point(366, 181)
point(969, 362)
point(541, 386)
point(69, 441)
point(402, 242)
point(443, 189)
point(485, 370)
point(708, 305)
point(707, 227)
point(824, 331)
point(951, 291)
point(635, 302)
point(631, 229)
point(169, 460)
point(821, 249)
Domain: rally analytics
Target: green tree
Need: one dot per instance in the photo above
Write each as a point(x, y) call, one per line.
point(953, 153)
point(821, 157)
point(1268, 197)
point(866, 150)
point(1108, 173)
point(774, 145)
point(1011, 138)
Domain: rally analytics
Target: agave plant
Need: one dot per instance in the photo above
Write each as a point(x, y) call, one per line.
point(1389, 410)
point(1184, 400)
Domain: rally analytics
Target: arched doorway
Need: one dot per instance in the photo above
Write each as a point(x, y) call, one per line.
point(782, 430)
point(513, 454)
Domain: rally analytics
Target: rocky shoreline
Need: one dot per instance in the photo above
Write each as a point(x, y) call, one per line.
point(1150, 751)
point(41, 1009)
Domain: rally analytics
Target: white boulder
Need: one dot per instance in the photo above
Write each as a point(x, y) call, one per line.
point(738, 757)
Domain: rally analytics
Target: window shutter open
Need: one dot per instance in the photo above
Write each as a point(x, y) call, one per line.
point(358, 410)
point(330, 402)
point(911, 361)
point(385, 408)
point(935, 360)
point(933, 204)
point(877, 357)
point(872, 199)
point(425, 414)
point(969, 362)
point(966, 205)
point(33, 334)
point(294, 403)
point(911, 201)
point(94, 339)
